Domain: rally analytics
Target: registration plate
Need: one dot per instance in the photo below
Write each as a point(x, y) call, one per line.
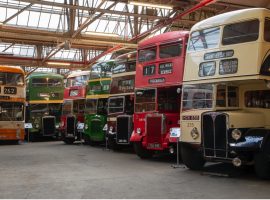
point(155, 145)
point(10, 90)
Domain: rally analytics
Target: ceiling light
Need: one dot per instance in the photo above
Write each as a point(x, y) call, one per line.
point(150, 5)
point(58, 63)
point(102, 34)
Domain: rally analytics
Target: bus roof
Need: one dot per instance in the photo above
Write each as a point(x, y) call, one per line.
point(78, 73)
point(127, 56)
point(11, 69)
point(230, 17)
point(163, 38)
point(44, 74)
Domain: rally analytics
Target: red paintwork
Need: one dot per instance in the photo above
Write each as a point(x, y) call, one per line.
point(173, 79)
point(81, 92)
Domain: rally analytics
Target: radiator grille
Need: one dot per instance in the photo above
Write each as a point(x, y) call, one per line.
point(124, 129)
point(48, 126)
point(215, 135)
point(71, 125)
point(154, 130)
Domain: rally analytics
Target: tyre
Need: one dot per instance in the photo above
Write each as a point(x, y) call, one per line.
point(262, 165)
point(69, 140)
point(191, 157)
point(86, 140)
point(141, 152)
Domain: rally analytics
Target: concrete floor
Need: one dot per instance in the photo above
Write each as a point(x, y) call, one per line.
point(56, 170)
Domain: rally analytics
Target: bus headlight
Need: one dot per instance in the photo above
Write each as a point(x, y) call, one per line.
point(236, 134)
point(57, 126)
point(86, 126)
point(139, 131)
point(62, 124)
point(194, 133)
point(37, 125)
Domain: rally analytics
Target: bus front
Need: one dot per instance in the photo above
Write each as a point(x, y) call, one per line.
point(74, 101)
point(121, 101)
point(225, 106)
point(12, 104)
point(97, 102)
point(45, 98)
point(158, 83)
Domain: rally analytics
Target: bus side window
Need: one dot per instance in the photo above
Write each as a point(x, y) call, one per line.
point(267, 30)
point(233, 99)
point(221, 96)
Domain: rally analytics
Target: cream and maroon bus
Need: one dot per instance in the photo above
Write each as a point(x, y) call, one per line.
point(226, 91)
point(12, 104)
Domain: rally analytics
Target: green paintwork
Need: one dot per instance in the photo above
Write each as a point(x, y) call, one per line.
point(42, 93)
point(98, 84)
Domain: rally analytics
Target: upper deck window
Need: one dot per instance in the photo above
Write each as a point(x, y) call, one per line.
point(147, 54)
point(267, 30)
point(77, 81)
point(204, 39)
point(241, 32)
point(124, 67)
point(47, 82)
point(170, 50)
point(101, 70)
point(12, 79)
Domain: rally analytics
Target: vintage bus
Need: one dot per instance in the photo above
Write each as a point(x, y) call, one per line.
point(121, 101)
point(44, 95)
point(12, 104)
point(158, 83)
point(97, 102)
point(73, 106)
point(226, 91)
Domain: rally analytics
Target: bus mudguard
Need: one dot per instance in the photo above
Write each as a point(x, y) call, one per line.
point(135, 137)
point(253, 140)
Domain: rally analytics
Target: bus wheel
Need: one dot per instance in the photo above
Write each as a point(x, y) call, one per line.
point(262, 165)
point(86, 139)
point(192, 158)
point(141, 152)
point(69, 140)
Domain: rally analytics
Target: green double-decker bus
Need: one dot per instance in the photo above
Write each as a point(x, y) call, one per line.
point(44, 95)
point(97, 102)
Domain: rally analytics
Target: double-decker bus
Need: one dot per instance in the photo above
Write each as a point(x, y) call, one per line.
point(73, 106)
point(121, 101)
point(44, 94)
point(12, 104)
point(97, 102)
point(158, 83)
point(226, 97)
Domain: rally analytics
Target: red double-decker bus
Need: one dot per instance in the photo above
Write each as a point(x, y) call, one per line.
point(158, 82)
point(73, 106)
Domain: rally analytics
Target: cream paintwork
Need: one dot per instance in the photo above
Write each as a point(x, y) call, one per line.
point(188, 125)
point(20, 92)
point(250, 57)
point(123, 74)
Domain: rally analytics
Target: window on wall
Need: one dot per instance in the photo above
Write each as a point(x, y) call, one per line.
point(170, 50)
point(257, 99)
point(241, 32)
point(204, 39)
point(267, 30)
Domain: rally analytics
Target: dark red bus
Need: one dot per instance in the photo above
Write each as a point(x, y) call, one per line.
point(158, 83)
point(73, 106)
